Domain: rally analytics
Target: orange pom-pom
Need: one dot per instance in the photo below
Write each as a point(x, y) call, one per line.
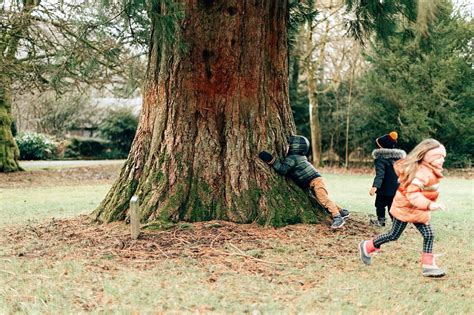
point(393, 135)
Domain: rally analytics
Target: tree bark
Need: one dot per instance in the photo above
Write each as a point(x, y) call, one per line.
point(9, 152)
point(213, 100)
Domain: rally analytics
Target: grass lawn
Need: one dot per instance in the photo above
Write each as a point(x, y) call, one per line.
point(306, 269)
point(34, 204)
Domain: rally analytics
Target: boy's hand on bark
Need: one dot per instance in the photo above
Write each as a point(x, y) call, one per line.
point(434, 206)
point(372, 191)
point(266, 157)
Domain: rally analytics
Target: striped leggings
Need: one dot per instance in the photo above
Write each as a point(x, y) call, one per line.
point(397, 229)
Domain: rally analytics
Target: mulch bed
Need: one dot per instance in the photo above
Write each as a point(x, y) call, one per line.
point(213, 241)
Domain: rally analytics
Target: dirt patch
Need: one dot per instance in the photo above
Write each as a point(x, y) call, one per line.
point(93, 175)
point(246, 247)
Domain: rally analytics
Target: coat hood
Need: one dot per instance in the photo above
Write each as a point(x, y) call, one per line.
point(299, 145)
point(395, 154)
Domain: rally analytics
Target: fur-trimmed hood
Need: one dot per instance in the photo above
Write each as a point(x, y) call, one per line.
point(389, 154)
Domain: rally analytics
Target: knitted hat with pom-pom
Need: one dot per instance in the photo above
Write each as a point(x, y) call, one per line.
point(387, 141)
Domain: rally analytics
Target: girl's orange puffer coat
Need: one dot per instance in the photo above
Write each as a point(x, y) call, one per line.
point(412, 200)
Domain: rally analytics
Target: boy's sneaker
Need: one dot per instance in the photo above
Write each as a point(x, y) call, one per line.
point(337, 222)
point(380, 222)
point(344, 213)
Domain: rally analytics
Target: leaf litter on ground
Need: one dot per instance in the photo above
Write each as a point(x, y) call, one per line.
point(248, 248)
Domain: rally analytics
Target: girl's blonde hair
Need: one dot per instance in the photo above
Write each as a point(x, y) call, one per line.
point(408, 166)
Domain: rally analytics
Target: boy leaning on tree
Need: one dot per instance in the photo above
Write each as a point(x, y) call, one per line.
point(296, 166)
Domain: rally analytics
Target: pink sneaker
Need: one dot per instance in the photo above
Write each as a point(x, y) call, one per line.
point(366, 248)
point(429, 267)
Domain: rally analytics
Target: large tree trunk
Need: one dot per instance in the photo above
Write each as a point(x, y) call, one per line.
point(9, 152)
point(208, 109)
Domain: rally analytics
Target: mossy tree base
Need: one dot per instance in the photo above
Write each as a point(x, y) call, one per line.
point(194, 200)
point(9, 152)
point(208, 110)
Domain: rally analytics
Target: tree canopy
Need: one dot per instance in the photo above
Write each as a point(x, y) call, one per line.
point(61, 44)
point(419, 85)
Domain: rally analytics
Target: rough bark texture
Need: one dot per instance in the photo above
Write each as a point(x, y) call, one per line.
point(9, 152)
point(208, 109)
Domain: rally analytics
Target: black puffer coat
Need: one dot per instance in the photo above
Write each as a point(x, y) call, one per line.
point(385, 179)
point(296, 164)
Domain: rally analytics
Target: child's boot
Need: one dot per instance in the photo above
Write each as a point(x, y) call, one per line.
point(344, 213)
point(337, 222)
point(429, 267)
point(380, 222)
point(366, 250)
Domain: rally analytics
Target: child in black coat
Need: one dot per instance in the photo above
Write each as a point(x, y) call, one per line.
point(385, 183)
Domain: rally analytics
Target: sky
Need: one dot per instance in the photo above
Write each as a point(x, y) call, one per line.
point(468, 6)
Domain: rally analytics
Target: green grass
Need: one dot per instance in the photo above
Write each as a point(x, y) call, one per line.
point(393, 284)
point(62, 164)
point(21, 205)
point(456, 193)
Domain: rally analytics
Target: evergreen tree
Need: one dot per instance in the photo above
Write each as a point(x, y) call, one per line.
point(423, 86)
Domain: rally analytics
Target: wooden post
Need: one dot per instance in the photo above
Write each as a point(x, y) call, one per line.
point(134, 218)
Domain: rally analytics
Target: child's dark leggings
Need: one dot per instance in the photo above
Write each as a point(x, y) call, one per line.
point(382, 202)
point(397, 229)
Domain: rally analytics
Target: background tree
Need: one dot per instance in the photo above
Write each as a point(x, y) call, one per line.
point(327, 56)
point(367, 117)
point(119, 127)
point(52, 114)
point(422, 86)
point(331, 57)
point(53, 45)
point(313, 68)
